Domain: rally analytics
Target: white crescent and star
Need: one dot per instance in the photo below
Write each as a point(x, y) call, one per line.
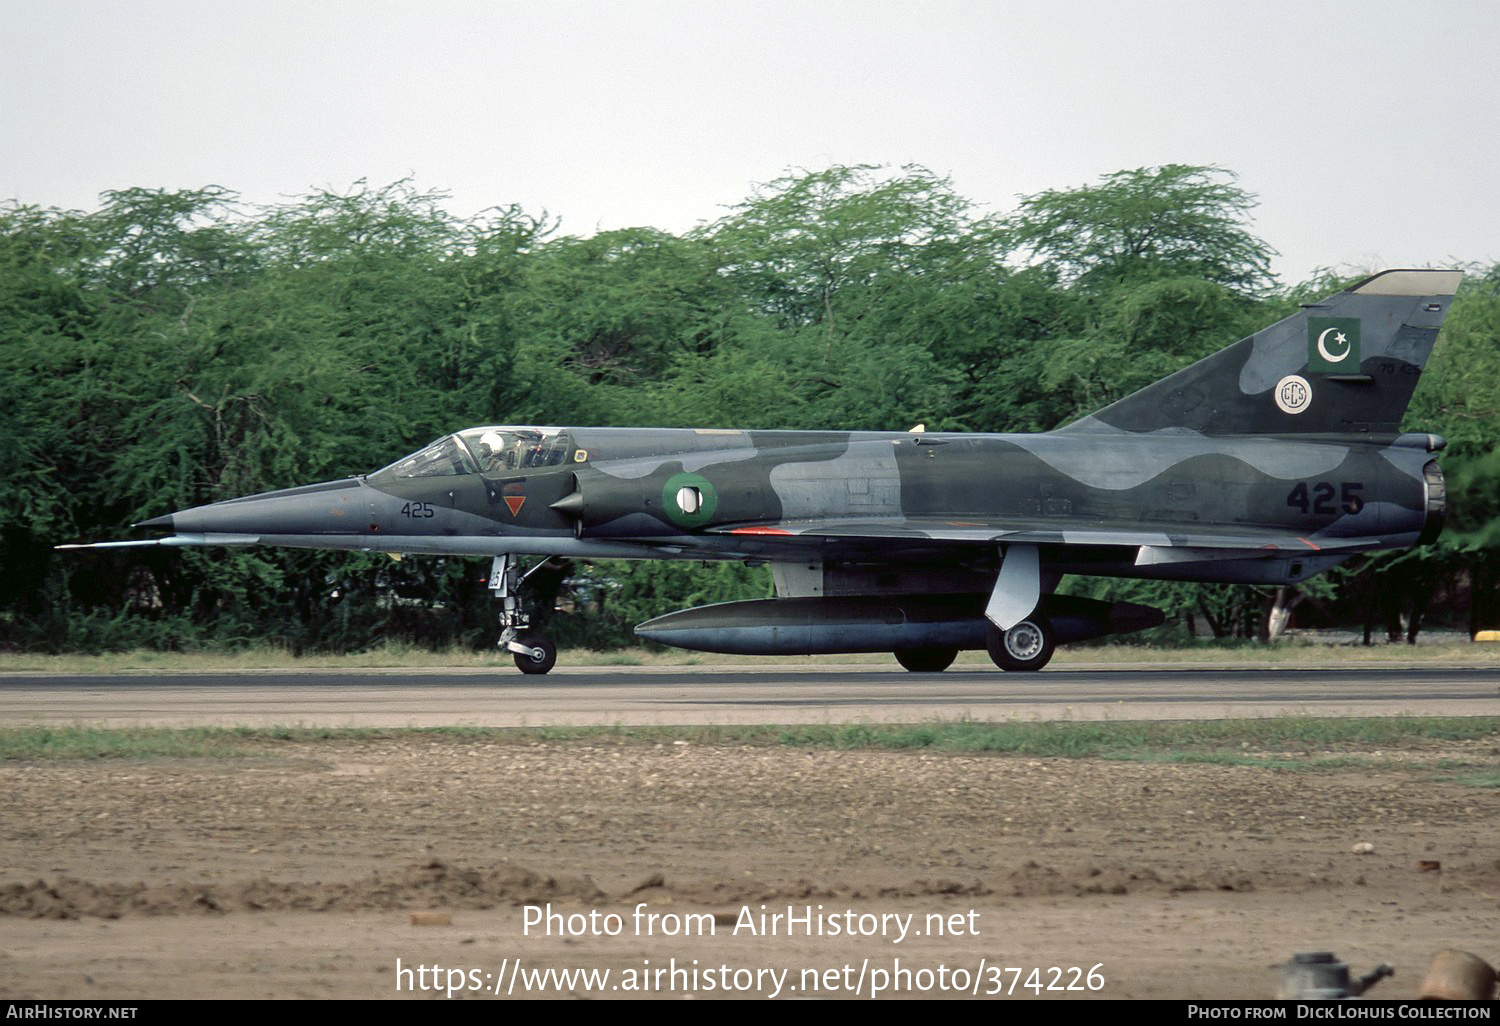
point(1339, 340)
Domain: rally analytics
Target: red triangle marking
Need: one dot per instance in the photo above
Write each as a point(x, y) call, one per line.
point(514, 502)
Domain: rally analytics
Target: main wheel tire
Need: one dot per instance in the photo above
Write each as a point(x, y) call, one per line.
point(530, 663)
point(926, 660)
point(1026, 647)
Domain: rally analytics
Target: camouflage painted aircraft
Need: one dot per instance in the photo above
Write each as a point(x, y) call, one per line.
point(1267, 463)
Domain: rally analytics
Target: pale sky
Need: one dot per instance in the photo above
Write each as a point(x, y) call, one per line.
point(1369, 130)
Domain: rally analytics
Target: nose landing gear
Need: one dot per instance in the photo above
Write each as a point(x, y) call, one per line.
point(534, 652)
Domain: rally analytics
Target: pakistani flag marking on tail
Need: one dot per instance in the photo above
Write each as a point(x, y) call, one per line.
point(1333, 345)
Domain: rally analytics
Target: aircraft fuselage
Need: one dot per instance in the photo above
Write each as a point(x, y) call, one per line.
point(676, 493)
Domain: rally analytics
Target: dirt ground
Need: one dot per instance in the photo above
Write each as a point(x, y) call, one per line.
point(296, 874)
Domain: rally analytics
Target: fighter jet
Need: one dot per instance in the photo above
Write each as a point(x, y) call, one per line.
point(1268, 462)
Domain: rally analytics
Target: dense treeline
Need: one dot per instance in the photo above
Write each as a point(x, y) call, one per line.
point(175, 348)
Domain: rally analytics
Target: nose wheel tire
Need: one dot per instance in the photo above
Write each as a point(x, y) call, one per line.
point(926, 660)
point(541, 658)
point(1026, 647)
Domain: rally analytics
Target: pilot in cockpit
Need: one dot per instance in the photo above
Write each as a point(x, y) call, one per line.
point(492, 452)
point(502, 451)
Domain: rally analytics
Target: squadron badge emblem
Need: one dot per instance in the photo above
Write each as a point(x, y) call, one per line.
point(1293, 394)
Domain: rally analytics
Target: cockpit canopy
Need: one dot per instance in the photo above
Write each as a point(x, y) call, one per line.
point(499, 450)
point(487, 450)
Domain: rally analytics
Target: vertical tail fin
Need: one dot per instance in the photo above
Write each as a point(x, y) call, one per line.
point(1346, 365)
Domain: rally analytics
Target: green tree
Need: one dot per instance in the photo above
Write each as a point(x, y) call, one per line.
point(600, 320)
point(1459, 397)
point(1172, 221)
point(847, 283)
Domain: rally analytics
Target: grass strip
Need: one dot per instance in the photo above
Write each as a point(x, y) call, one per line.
point(1297, 738)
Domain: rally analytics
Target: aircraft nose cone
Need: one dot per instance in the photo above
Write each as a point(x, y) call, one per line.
point(327, 508)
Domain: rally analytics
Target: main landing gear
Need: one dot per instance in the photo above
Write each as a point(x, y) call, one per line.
point(1027, 641)
point(1027, 646)
point(534, 652)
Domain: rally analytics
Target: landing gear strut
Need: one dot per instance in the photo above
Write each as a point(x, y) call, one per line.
point(534, 652)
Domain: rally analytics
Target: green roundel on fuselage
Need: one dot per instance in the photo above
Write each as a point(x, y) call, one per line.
point(689, 500)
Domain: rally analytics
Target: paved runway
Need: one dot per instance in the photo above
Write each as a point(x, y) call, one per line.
point(736, 695)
